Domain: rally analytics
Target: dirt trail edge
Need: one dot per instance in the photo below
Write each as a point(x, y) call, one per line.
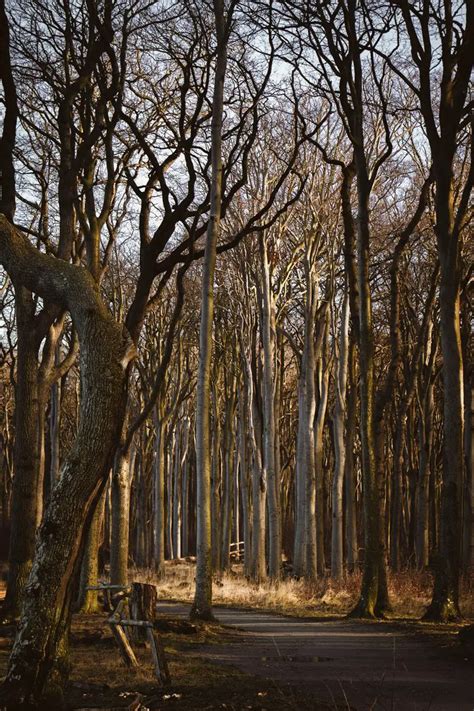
point(364, 665)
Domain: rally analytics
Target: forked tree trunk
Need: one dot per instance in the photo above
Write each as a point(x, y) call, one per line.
point(105, 352)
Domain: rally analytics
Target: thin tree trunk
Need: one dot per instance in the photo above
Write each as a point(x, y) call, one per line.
point(24, 506)
point(55, 429)
point(318, 446)
point(339, 443)
point(216, 487)
point(120, 496)
point(177, 480)
point(159, 491)
point(352, 548)
point(88, 601)
point(244, 479)
point(271, 475)
point(258, 569)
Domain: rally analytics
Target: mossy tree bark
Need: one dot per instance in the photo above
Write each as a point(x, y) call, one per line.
point(39, 648)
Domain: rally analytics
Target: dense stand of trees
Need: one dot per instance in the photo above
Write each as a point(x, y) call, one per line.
point(236, 301)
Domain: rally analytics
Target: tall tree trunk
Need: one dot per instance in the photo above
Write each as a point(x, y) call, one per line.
point(373, 551)
point(183, 504)
point(55, 430)
point(445, 601)
point(339, 443)
point(244, 478)
point(120, 497)
point(424, 471)
point(258, 568)
point(271, 475)
point(305, 552)
point(88, 601)
point(24, 506)
point(216, 486)
point(177, 481)
point(228, 489)
point(202, 606)
point(319, 423)
point(352, 548)
point(159, 491)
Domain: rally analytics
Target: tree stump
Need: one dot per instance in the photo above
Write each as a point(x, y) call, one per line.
point(143, 601)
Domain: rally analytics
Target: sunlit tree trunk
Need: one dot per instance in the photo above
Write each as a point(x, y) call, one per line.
point(120, 498)
point(88, 601)
point(159, 489)
point(269, 464)
point(202, 606)
point(339, 443)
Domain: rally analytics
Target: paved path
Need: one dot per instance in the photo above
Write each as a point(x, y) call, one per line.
point(361, 664)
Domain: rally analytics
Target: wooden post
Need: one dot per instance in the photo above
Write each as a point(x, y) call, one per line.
point(126, 651)
point(143, 601)
point(159, 659)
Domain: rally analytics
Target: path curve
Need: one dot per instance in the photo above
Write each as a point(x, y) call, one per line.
point(362, 665)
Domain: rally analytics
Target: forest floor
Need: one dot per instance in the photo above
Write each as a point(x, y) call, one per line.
point(100, 680)
point(257, 660)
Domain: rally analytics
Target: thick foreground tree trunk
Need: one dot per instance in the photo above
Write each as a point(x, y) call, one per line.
point(39, 649)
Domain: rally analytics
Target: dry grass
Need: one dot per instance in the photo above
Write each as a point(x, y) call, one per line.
point(409, 592)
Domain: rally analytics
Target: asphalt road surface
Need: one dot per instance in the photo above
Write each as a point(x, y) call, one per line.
point(359, 665)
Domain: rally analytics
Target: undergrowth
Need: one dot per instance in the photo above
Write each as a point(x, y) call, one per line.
point(410, 591)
